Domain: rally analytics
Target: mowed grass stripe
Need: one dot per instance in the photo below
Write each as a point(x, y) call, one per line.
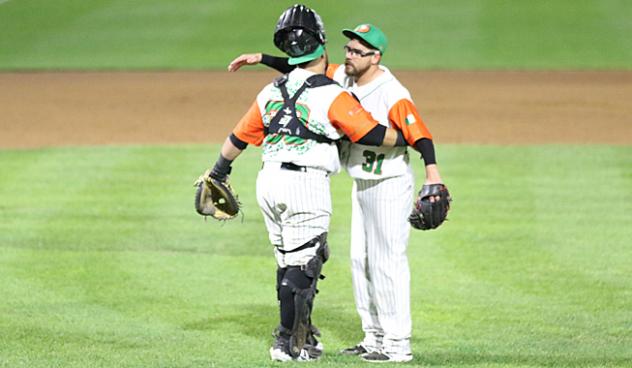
point(460, 34)
point(118, 198)
point(517, 277)
point(101, 305)
point(53, 190)
point(104, 203)
point(104, 191)
point(78, 283)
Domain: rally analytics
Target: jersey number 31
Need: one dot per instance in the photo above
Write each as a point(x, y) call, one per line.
point(373, 162)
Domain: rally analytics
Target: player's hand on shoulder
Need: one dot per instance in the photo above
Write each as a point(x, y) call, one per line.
point(244, 59)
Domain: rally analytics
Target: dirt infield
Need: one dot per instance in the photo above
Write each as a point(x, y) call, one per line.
point(52, 109)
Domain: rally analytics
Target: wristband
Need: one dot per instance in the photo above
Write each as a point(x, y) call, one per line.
point(222, 168)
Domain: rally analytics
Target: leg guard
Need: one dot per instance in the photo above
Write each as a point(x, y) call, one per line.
point(294, 281)
point(296, 294)
point(303, 302)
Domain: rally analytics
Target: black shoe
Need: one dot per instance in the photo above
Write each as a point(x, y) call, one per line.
point(381, 357)
point(280, 350)
point(356, 350)
point(312, 345)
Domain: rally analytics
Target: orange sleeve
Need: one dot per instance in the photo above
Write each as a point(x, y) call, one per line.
point(405, 117)
point(250, 127)
point(331, 69)
point(346, 114)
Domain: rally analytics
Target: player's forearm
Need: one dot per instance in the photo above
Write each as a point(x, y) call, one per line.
point(426, 148)
point(393, 138)
point(230, 151)
point(277, 63)
point(232, 147)
point(432, 174)
point(382, 136)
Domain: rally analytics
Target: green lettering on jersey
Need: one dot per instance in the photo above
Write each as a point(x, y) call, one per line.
point(273, 106)
point(273, 138)
point(295, 141)
point(373, 162)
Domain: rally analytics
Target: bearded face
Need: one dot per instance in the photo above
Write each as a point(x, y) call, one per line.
point(358, 58)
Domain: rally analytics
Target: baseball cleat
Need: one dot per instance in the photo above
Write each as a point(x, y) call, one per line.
point(355, 350)
point(280, 348)
point(280, 351)
point(279, 355)
point(312, 345)
point(383, 357)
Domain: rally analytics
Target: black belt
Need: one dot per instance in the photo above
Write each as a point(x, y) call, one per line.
point(293, 167)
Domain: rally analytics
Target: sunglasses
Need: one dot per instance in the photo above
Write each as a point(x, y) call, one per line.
point(357, 53)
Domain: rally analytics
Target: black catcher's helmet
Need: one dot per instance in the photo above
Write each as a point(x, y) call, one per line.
point(299, 31)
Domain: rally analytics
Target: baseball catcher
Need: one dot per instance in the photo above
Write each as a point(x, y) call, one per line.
point(431, 207)
point(214, 196)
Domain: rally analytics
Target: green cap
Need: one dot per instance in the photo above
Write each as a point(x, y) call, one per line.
point(369, 34)
point(309, 57)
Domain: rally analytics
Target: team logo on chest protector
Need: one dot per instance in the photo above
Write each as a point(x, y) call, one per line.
point(273, 107)
point(284, 138)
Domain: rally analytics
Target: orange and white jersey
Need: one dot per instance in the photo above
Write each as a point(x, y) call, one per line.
point(328, 110)
point(390, 103)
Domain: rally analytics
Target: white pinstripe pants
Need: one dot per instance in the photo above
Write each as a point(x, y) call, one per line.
point(379, 264)
point(296, 208)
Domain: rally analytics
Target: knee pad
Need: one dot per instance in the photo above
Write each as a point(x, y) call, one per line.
point(292, 281)
point(323, 249)
point(279, 277)
point(314, 267)
point(296, 286)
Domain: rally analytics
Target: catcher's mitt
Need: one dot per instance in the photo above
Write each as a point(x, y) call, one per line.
point(428, 215)
point(215, 198)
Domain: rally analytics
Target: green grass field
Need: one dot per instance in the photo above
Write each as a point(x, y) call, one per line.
point(457, 34)
point(104, 262)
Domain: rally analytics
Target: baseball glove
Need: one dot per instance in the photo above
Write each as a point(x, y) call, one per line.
point(215, 198)
point(427, 215)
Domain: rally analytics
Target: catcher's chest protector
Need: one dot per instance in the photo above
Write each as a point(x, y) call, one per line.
point(286, 122)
